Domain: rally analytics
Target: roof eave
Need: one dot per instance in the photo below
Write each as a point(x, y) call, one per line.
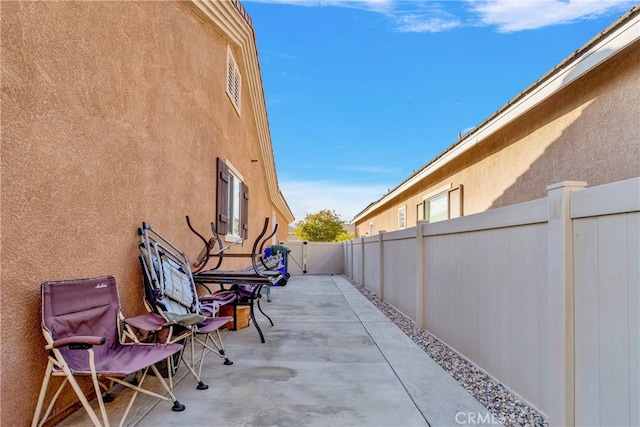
point(230, 18)
point(605, 45)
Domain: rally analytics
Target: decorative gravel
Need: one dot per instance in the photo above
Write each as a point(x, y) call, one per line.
point(502, 403)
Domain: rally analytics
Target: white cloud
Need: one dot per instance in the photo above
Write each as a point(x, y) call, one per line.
point(309, 197)
point(507, 15)
point(510, 15)
point(406, 15)
point(373, 5)
point(413, 23)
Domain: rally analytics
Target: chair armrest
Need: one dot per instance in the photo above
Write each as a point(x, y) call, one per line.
point(149, 322)
point(78, 342)
point(220, 296)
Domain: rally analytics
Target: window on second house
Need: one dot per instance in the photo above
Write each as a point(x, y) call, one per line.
point(234, 81)
point(232, 216)
point(443, 204)
point(436, 208)
point(402, 218)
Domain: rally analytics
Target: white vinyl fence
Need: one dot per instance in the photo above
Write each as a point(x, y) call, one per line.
point(314, 258)
point(543, 295)
point(606, 229)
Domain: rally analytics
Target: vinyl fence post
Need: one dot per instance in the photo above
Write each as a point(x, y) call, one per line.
point(420, 276)
point(351, 259)
point(362, 262)
point(560, 304)
point(381, 263)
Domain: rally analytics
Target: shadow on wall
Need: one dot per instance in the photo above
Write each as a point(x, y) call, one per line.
point(597, 141)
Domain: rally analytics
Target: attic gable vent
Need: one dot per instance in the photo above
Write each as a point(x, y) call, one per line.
point(234, 81)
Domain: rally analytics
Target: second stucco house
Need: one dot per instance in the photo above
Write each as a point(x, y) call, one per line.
point(580, 121)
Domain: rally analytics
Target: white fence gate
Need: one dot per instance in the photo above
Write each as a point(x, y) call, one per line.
point(315, 258)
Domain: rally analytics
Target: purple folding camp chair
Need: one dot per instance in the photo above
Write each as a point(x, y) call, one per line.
point(81, 325)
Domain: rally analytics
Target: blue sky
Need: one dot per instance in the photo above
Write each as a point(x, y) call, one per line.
point(361, 93)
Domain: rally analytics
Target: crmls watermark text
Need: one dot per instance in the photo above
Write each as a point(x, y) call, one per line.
point(476, 418)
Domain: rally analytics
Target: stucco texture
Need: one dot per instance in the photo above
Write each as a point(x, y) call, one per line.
point(588, 131)
point(113, 113)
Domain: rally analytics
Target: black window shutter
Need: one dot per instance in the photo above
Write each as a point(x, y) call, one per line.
point(222, 198)
point(244, 212)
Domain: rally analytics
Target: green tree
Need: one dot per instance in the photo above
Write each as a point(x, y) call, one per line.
point(324, 226)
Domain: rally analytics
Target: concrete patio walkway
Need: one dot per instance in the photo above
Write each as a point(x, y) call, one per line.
point(332, 359)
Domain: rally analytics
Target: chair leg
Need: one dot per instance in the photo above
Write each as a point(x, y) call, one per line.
point(53, 400)
point(133, 397)
point(103, 410)
point(177, 406)
point(170, 371)
point(96, 386)
point(220, 347)
point(43, 391)
point(201, 385)
point(217, 343)
point(188, 363)
point(68, 377)
point(83, 398)
point(138, 388)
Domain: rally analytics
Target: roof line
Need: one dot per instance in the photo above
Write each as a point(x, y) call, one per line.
point(466, 142)
point(233, 21)
point(243, 12)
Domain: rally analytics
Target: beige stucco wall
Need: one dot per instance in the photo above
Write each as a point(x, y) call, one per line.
point(590, 131)
point(113, 113)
